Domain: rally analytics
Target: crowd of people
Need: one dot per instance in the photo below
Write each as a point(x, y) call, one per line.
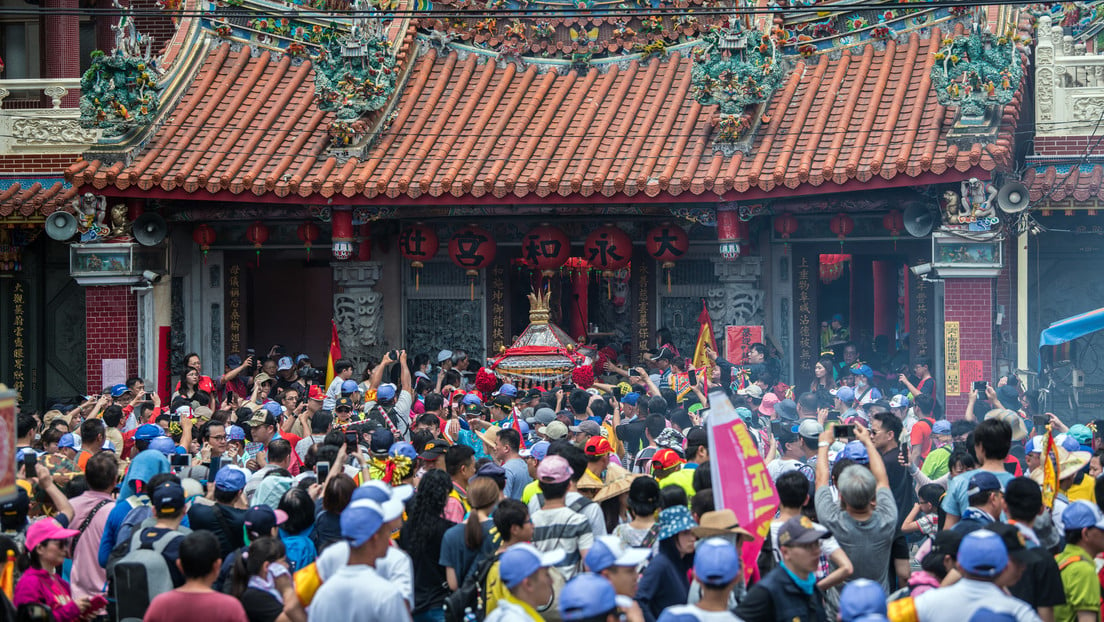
point(428, 489)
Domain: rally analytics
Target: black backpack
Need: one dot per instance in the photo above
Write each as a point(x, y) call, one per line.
point(471, 597)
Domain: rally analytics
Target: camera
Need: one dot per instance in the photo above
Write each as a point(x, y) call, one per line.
point(311, 374)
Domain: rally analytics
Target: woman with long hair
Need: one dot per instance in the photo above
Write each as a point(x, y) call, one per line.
point(465, 544)
point(47, 546)
point(189, 383)
point(327, 523)
point(823, 375)
point(260, 579)
point(421, 537)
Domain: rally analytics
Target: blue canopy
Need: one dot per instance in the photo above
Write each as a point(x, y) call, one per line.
point(1072, 327)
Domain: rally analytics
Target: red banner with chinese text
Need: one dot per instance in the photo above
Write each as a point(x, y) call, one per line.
point(738, 340)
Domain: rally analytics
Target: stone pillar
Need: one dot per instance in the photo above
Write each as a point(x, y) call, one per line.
point(63, 40)
point(358, 310)
point(111, 324)
point(969, 302)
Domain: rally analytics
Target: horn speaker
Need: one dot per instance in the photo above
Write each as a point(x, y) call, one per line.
point(919, 220)
point(61, 226)
point(1013, 198)
point(150, 229)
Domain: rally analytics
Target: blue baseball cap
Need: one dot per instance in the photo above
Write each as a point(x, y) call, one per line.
point(273, 408)
point(148, 432)
point(118, 390)
point(403, 448)
point(349, 386)
point(385, 392)
point(108, 446)
point(589, 595)
point(69, 440)
point(982, 552)
point(630, 398)
point(301, 358)
point(982, 481)
point(1067, 442)
point(845, 395)
point(233, 361)
point(609, 551)
point(471, 398)
point(1081, 514)
point(229, 479)
point(942, 427)
point(861, 597)
point(361, 519)
point(235, 433)
point(716, 562)
point(167, 499)
point(163, 444)
point(787, 410)
point(507, 389)
point(854, 451)
point(538, 451)
point(284, 363)
point(862, 370)
point(520, 561)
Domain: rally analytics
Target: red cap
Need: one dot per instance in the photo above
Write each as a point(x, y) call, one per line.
point(316, 393)
point(666, 458)
point(598, 446)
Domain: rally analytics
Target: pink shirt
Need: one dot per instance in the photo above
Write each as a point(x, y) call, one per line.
point(177, 606)
point(87, 576)
point(38, 586)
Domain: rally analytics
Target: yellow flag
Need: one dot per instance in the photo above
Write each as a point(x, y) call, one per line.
point(1050, 470)
point(705, 339)
point(7, 576)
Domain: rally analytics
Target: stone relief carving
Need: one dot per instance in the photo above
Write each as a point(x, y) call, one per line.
point(734, 304)
point(358, 311)
point(42, 131)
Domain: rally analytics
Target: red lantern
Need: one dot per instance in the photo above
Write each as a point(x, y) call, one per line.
point(895, 223)
point(545, 248)
point(418, 244)
point(732, 233)
point(342, 223)
point(257, 233)
point(608, 249)
point(841, 225)
point(308, 232)
point(204, 236)
point(667, 243)
point(472, 248)
point(785, 225)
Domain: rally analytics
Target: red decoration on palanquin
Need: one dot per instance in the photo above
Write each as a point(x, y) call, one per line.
point(418, 244)
point(666, 244)
point(583, 376)
point(308, 232)
point(204, 236)
point(257, 233)
point(485, 381)
point(545, 248)
point(842, 225)
point(472, 248)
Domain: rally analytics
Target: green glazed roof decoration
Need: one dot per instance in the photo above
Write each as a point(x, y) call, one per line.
point(977, 70)
point(734, 68)
point(120, 90)
point(355, 74)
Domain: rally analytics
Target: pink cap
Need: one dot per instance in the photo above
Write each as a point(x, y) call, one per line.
point(47, 529)
point(554, 470)
point(767, 406)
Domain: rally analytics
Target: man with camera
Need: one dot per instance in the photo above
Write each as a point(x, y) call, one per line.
point(391, 406)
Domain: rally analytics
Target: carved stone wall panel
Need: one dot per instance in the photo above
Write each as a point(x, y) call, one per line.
point(731, 291)
point(358, 311)
point(47, 131)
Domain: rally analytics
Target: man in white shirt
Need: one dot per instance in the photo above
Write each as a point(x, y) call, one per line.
point(524, 571)
point(982, 557)
point(343, 370)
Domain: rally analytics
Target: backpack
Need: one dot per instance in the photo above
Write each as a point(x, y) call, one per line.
point(389, 418)
point(470, 598)
point(139, 575)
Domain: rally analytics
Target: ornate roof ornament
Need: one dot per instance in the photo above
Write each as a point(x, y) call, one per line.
point(977, 70)
point(119, 92)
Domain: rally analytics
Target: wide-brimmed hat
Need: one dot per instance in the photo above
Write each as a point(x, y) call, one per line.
point(618, 482)
point(675, 520)
point(720, 523)
point(1013, 419)
point(1069, 463)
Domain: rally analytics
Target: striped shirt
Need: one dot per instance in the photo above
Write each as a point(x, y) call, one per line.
point(563, 529)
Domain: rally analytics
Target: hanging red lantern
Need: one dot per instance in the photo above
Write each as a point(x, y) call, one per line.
point(418, 244)
point(666, 244)
point(257, 233)
point(785, 225)
point(841, 225)
point(204, 236)
point(545, 248)
point(732, 232)
point(608, 249)
point(894, 221)
point(472, 248)
point(342, 223)
point(308, 232)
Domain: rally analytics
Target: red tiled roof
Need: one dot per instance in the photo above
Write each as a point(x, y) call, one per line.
point(33, 198)
point(1082, 183)
point(466, 127)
